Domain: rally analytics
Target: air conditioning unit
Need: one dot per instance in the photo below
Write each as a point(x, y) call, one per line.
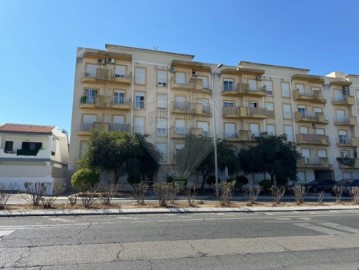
point(172, 69)
point(119, 75)
point(259, 77)
point(102, 61)
point(110, 60)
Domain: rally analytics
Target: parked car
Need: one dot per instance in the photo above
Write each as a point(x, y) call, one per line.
point(325, 185)
point(347, 184)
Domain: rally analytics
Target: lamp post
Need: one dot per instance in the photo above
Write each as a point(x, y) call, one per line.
point(214, 132)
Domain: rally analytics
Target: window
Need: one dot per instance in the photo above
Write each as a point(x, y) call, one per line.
point(306, 155)
point(90, 96)
point(204, 127)
point(322, 153)
point(89, 118)
point(139, 125)
point(91, 71)
point(162, 102)
point(285, 90)
point(8, 146)
point(252, 84)
point(318, 110)
point(343, 136)
point(228, 104)
point(340, 114)
point(269, 106)
point(269, 88)
point(140, 75)
point(287, 111)
point(180, 127)
point(346, 91)
point(120, 72)
point(300, 88)
point(288, 130)
point(31, 145)
point(119, 97)
point(229, 130)
point(84, 145)
point(344, 154)
point(319, 131)
point(180, 77)
point(254, 128)
point(302, 110)
point(205, 105)
point(204, 81)
point(161, 127)
point(162, 148)
point(161, 78)
point(303, 130)
point(139, 100)
point(270, 129)
point(252, 104)
point(228, 85)
point(118, 119)
point(179, 146)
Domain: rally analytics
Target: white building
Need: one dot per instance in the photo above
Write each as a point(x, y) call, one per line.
point(32, 153)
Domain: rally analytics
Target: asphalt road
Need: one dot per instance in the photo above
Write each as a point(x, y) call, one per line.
point(305, 240)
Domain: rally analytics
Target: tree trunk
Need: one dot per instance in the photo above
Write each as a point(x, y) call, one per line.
point(273, 178)
point(204, 176)
point(115, 177)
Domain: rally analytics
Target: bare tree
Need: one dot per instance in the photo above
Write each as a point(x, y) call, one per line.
point(226, 192)
point(277, 193)
point(251, 193)
point(354, 192)
point(338, 191)
point(299, 193)
point(139, 191)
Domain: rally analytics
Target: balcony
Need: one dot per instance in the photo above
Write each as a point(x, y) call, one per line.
point(343, 100)
point(87, 128)
point(348, 163)
point(313, 96)
point(314, 139)
point(345, 121)
point(24, 153)
point(192, 108)
point(245, 136)
point(314, 162)
point(97, 101)
point(181, 132)
point(312, 117)
point(230, 90)
point(231, 137)
point(230, 112)
point(347, 142)
point(253, 113)
point(106, 75)
point(194, 84)
point(121, 103)
point(244, 90)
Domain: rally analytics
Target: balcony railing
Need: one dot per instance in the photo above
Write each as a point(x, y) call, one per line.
point(319, 162)
point(347, 121)
point(309, 95)
point(103, 126)
point(192, 84)
point(245, 89)
point(230, 111)
point(316, 117)
point(119, 127)
point(343, 100)
point(105, 74)
point(121, 100)
point(317, 139)
point(347, 141)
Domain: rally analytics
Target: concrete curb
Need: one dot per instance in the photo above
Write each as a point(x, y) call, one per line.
point(76, 212)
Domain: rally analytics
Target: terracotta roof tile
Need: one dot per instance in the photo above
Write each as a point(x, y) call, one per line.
point(19, 128)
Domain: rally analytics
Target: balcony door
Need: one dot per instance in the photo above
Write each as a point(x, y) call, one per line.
point(204, 127)
point(306, 155)
point(229, 130)
point(340, 114)
point(254, 128)
point(119, 97)
point(90, 95)
point(180, 127)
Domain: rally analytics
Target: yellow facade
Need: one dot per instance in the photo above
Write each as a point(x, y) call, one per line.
point(168, 95)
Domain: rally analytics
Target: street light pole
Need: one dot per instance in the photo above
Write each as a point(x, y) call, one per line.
point(214, 132)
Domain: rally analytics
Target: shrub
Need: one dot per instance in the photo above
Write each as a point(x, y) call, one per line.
point(85, 179)
point(226, 189)
point(242, 180)
point(277, 193)
point(35, 191)
point(299, 193)
point(139, 192)
point(266, 185)
point(251, 193)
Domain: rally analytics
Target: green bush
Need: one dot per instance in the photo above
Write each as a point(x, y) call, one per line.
point(85, 179)
point(241, 180)
point(266, 185)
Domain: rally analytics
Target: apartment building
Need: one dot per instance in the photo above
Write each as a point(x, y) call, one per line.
point(32, 153)
point(168, 95)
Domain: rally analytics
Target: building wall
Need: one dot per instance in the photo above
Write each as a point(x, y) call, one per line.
point(154, 62)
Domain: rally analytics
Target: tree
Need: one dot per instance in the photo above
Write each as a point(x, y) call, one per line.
point(274, 155)
point(85, 179)
point(108, 151)
point(226, 157)
point(143, 162)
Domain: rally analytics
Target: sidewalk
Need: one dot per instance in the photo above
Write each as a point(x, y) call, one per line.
point(18, 199)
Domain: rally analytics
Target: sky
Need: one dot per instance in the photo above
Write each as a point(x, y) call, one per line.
point(38, 41)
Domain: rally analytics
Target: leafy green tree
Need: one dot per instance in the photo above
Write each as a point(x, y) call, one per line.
point(226, 158)
point(273, 154)
point(109, 151)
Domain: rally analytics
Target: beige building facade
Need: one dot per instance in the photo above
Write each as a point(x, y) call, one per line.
point(168, 95)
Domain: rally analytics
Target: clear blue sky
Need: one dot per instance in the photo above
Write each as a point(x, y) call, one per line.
point(39, 40)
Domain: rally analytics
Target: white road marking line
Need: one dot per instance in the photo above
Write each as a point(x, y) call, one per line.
point(340, 227)
point(4, 233)
point(320, 229)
